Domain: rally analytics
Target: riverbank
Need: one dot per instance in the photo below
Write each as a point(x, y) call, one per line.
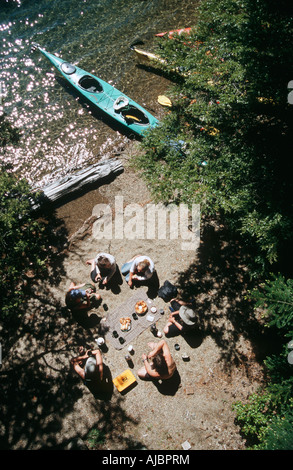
point(56, 408)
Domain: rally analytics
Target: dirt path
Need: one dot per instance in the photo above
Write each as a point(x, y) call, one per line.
point(49, 406)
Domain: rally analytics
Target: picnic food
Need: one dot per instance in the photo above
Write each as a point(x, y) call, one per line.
point(141, 307)
point(125, 323)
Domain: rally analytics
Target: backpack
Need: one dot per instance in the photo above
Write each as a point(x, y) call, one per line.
point(167, 291)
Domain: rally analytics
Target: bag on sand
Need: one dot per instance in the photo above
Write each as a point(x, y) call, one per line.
point(167, 291)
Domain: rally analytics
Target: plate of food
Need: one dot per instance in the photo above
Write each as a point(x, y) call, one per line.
point(125, 323)
point(141, 307)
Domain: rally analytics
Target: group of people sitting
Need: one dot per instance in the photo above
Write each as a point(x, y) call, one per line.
point(103, 267)
point(158, 363)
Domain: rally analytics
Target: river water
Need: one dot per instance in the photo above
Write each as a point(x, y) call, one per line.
point(59, 133)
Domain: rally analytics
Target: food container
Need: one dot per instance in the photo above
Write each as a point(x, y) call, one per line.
point(125, 323)
point(185, 357)
point(100, 341)
point(124, 380)
point(141, 307)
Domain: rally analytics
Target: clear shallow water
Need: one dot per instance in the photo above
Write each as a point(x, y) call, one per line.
point(59, 133)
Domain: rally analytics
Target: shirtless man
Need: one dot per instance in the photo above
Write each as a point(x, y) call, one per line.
point(161, 365)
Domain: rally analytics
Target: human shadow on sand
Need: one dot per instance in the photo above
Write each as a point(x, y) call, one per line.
point(102, 390)
point(152, 285)
point(168, 386)
point(114, 283)
point(86, 319)
point(193, 338)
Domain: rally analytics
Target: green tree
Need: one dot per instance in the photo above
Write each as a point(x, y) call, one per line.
point(20, 237)
point(230, 109)
point(266, 420)
point(26, 239)
point(275, 297)
point(279, 435)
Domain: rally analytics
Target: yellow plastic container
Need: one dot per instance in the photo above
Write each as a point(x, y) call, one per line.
point(124, 380)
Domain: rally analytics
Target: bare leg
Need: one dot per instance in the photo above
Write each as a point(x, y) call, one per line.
point(166, 328)
point(142, 373)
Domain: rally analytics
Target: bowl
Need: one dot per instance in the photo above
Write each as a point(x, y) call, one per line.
point(141, 307)
point(125, 323)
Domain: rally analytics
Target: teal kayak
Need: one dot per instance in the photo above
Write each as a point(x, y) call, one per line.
point(104, 96)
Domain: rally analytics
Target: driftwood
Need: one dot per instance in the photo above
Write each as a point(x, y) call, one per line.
point(80, 181)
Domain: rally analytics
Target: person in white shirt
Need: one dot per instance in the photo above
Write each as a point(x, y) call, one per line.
point(103, 267)
point(139, 268)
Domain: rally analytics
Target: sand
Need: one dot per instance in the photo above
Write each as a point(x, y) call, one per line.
point(48, 404)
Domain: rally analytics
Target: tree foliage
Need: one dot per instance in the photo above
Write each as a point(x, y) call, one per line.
point(231, 112)
point(25, 239)
point(230, 108)
point(20, 236)
point(275, 297)
point(279, 435)
point(270, 427)
point(8, 134)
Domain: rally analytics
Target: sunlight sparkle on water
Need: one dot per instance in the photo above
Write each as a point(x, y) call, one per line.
point(58, 133)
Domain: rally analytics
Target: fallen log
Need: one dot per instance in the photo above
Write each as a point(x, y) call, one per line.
point(79, 182)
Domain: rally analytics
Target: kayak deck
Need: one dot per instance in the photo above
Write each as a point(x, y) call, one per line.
point(104, 96)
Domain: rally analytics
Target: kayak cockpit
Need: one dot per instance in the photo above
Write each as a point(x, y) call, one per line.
point(90, 84)
point(129, 112)
point(132, 114)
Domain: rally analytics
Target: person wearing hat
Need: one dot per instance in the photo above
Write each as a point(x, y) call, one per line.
point(89, 365)
point(181, 320)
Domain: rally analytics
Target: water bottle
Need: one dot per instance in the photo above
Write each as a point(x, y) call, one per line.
point(154, 329)
point(100, 341)
point(129, 360)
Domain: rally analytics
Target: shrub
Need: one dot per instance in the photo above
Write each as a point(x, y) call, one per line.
point(254, 416)
point(21, 241)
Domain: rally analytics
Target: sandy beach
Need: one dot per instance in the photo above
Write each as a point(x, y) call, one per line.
point(224, 363)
